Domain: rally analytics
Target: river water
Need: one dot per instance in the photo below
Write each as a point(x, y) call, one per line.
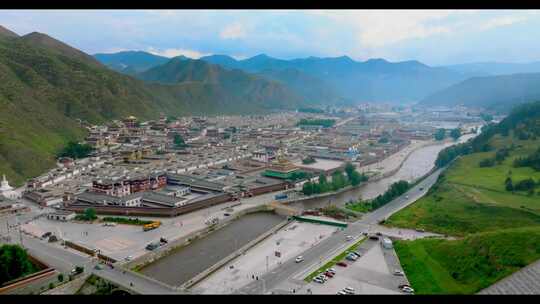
point(419, 163)
point(187, 262)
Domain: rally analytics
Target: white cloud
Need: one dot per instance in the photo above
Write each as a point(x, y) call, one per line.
point(177, 52)
point(377, 28)
point(233, 31)
point(501, 21)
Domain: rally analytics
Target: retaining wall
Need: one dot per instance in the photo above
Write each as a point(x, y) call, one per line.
point(187, 239)
point(233, 256)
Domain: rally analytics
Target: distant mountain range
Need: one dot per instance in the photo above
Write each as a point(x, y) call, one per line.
point(495, 68)
point(131, 62)
point(373, 80)
point(498, 93)
point(341, 80)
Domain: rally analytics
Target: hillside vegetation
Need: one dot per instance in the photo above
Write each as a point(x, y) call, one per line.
point(47, 88)
point(500, 225)
point(465, 266)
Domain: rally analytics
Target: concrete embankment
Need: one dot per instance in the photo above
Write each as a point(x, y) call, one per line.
point(177, 244)
point(233, 255)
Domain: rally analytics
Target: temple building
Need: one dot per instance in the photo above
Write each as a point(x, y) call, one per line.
point(6, 190)
point(281, 168)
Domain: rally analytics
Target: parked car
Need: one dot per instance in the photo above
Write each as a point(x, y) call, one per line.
point(318, 280)
point(420, 230)
point(348, 238)
point(403, 285)
point(98, 267)
point(351, 257)
point(226, 214)
point(46, 235)
point(322, 277)
point(406, 196)
point(348, 290)
point(398, 272)
point(331, 270)
point(342, 264)
point(407, 289)
point(129, 258)
point(329, 274)
point(299, 259)
point(378, 233)
point(421, 188)
point(357, 253)
point(374, 238)
point(341, 292)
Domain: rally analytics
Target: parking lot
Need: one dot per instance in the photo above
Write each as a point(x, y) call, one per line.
point(372, 273)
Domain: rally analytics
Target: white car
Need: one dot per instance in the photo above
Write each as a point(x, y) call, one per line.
point(407, 289)
point(331, 270)
point(299, 259)
point(348, 238)
point(348, 290)
point(341, 292)
point(318, 280)
point(129, 258)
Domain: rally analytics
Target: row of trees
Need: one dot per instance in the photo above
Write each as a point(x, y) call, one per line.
point(527, 184)
point(395, 190)
point(440, 134)
point(317, 122)
point(339, 181)
point(14, 263)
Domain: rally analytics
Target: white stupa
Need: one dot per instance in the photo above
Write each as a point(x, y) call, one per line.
point(6, 190)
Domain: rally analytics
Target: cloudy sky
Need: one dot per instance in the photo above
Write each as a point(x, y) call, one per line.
point(435, 37)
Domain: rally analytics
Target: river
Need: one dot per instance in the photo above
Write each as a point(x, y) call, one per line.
point(419, 163)
point(184, 264)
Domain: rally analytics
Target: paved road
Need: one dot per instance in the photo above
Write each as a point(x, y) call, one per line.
point(65, 260)
point(336, 241)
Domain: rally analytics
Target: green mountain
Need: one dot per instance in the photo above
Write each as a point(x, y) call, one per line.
point(5, 33)
point(499, 93)
point(131, 62)
point(233, 89)
point(489, 199)
point(47, 88)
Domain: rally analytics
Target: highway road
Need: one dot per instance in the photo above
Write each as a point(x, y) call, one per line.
point(337, 242)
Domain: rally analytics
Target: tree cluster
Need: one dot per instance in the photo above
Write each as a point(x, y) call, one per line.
point(75, 150)
point(14, 263)
point(339, 181)
point(440, 134)
point(532, 160)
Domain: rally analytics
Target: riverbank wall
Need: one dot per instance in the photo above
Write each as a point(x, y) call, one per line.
point(176, 244)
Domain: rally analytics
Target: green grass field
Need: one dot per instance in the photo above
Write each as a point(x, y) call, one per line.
point(498, 231)
point(465, 266)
